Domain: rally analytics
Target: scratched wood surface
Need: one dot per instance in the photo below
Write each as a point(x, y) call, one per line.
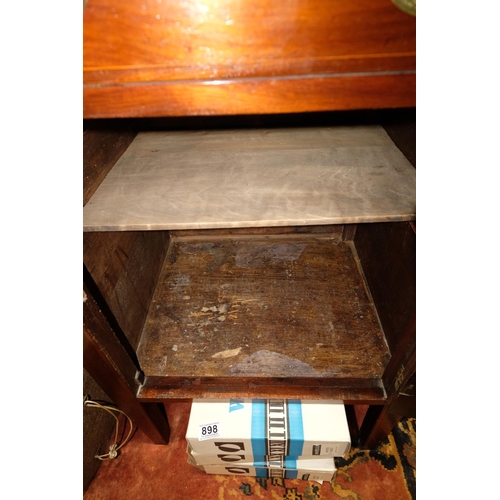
point(199, 57)
point(290, 309)
point(254, 178)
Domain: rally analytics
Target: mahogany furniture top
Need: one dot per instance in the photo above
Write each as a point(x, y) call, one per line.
point(146, 58)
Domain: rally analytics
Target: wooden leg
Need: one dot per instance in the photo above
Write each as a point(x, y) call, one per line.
point(377, 425)
point(381, 420)
point(110, 365)
point(400, 383)
point(353, 424)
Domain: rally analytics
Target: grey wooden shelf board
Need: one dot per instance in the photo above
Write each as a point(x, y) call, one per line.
point(255, 178)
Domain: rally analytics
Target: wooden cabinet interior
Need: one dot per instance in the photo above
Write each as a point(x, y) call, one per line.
point(308, 311)
point(254, 178)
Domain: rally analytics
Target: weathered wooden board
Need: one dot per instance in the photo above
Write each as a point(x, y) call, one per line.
point(255, 178)
point(262, 309)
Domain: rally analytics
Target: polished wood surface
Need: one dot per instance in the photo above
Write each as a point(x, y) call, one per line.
point(198, 57)
point(254, 178)
point(271, 95)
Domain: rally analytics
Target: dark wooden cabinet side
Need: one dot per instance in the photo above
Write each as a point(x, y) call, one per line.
point(97, 429)
point(125, 267)
point(399, 311)
point(101, 149)
point(388, 255)
point(121, 269)
point(108, 362)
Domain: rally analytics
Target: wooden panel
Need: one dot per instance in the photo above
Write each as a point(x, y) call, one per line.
point(281, 312)
point(349, 391)
point(147, 40)
point(125, 267)
point(265, 95)
point(406, 402)
point(248, 178)
point(333, 232)
point(140, 42)
point(388, 256)
point(379, 421)
point(111, 367)
point(97, 430)
point(101, 150)
point(403, 132)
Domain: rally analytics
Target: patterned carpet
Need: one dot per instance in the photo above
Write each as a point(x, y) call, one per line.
point(146, 471)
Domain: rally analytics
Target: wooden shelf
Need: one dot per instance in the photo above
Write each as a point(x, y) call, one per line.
point(262, 314)
point(268, 263)
point(254, 178)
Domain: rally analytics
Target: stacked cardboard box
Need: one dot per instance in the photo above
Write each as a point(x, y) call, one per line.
point(268, 437)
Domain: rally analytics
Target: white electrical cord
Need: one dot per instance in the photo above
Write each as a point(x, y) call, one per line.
point(113, 449)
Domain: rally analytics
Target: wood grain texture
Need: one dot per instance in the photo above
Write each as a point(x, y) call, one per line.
point(110, 366)
point(133, 48)
point(380, 421)
point(125, 266)
point(332, 232)
point(148, 40)
point(101, 150)
point(239, 312)
point(254, 178)
point(99, 336)
point(350, 391)
point(388, 255)
point(232, 97)
point(97, 429)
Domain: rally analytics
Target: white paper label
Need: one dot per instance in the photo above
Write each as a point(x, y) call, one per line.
point(209, 431)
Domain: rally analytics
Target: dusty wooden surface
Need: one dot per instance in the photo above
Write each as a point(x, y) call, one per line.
point(255, 178)
point(351, 391)
point(192, 57)
point(288, 309)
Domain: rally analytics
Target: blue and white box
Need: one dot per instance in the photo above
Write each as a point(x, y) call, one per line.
point(254, 431)
point(316, 469)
